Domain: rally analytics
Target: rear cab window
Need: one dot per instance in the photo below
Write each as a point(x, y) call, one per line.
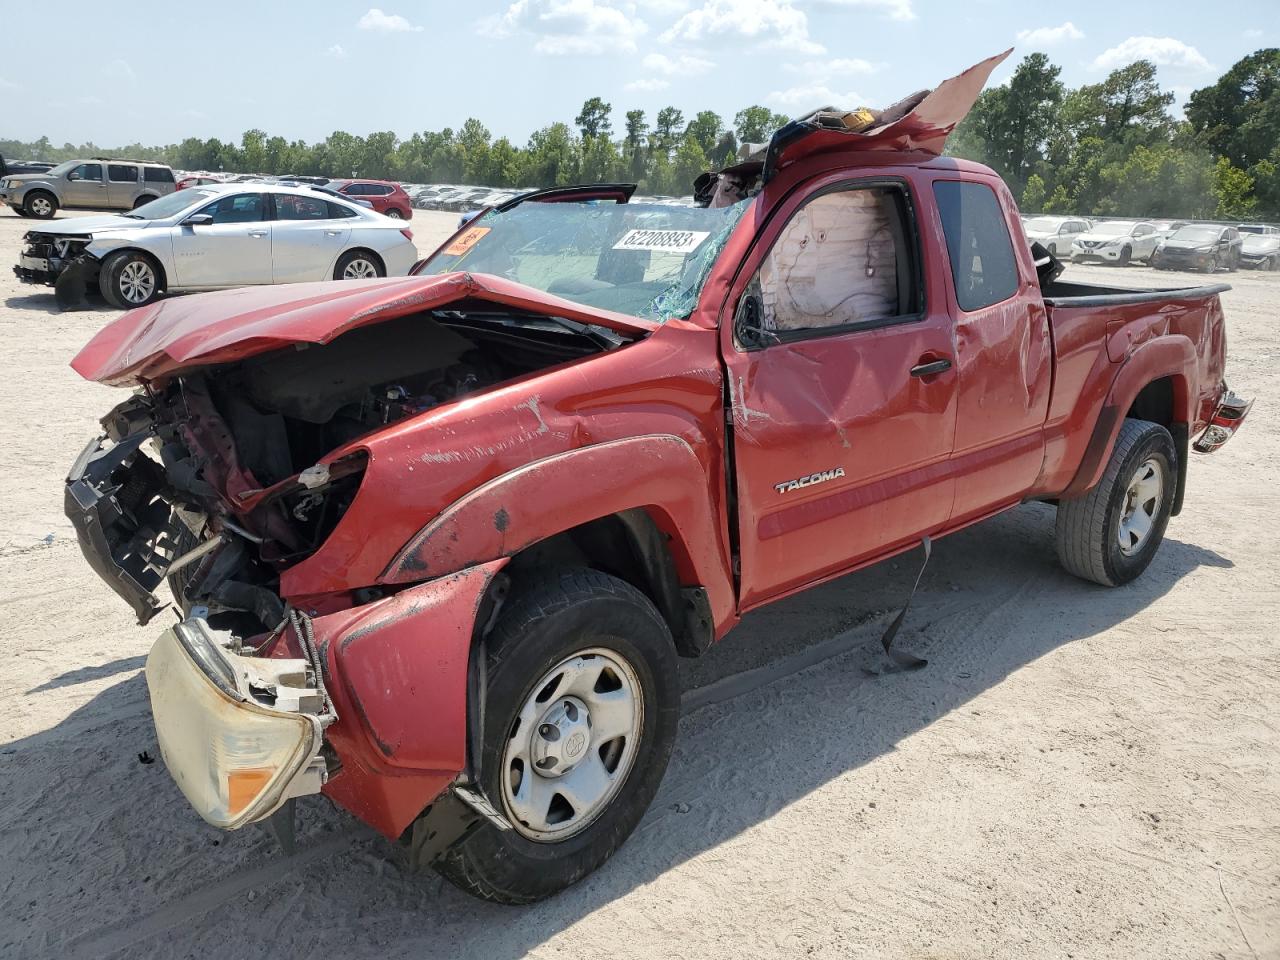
point(983, 267)
point(122, 173)
point(163, 175)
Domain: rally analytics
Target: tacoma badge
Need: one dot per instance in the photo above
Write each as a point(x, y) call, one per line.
point(821, 477)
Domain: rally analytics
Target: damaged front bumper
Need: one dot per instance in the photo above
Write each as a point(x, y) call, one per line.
point(58, 263)
point(126, 532)
point(240, 735)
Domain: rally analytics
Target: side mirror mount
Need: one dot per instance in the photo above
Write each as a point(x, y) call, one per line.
point(198, 220)
point(748, 322)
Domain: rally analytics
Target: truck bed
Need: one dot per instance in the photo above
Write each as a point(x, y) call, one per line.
point(1059, 294)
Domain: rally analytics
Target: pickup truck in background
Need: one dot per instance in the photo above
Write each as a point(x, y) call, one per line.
point(439, 540)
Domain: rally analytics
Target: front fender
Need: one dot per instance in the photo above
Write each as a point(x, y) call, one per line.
point(659, 473)
point(398, 678)
point(1172, 356)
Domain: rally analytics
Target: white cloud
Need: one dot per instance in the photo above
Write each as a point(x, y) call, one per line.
point(682, 65)
point(381, 22)
point(336, 52)
point(1050, 36)
point(663, 7)
point(893, 9)
point(813, 95)
point(7, 84)
point(1253, 33)
point(840, 66)
point(120, 70)
point(569, 26)
point(1163, 51)
point(648, 85)
point(774, 23)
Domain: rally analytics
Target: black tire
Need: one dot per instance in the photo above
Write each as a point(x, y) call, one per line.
point(1126, 254)
point(1233, 263)
point(18, 211)
point(40, 205)
point(121, 278)
point(1212, 266)
point(1089, 527)
point(566, 612)
point(354, 256)
point(395, 214)
point(143, 200)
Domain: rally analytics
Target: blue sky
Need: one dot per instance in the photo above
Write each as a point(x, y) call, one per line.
point(161, 72)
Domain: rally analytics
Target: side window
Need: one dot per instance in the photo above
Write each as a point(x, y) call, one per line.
point(238, 208)
point(978, 245)
point(338, 212)
point(291, 206)
point(160, 175)
point(374, 190)
point(120, 173)
point(1142, 230)
point(842, 259)
point(354, 190)
point(86, 171)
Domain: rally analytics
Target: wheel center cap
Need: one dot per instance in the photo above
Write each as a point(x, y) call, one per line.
point(561, 737)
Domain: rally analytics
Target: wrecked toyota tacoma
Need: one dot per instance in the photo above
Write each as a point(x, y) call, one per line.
point(438, 541)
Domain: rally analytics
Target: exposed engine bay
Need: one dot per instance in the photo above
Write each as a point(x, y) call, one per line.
point(210, 478)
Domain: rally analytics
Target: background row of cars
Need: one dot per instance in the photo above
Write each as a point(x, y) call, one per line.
point(1162, 244)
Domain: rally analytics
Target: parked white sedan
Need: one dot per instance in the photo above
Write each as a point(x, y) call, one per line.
point(1116, 241)
point(213, 237)
point(1055, 234)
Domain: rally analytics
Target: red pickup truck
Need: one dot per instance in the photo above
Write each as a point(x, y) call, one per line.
point(439, 540)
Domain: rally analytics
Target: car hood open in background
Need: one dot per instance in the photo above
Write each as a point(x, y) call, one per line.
point(210, 328)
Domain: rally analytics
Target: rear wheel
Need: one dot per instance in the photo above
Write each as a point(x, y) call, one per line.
point(18, 211)
point(1233, 262)
point(395, 214)
point(1110, 534)
point(141, 201)
point(580, 717)
point(129, 279)
point(41, 205)
point(358, 265)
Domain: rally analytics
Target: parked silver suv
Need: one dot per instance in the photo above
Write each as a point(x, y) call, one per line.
point(98, 184)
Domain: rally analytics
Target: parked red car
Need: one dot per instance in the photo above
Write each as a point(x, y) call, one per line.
point(385, 196)
point(196, 181)
point(440, 540)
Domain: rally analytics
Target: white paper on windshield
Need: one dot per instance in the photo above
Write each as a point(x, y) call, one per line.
point(663, 241)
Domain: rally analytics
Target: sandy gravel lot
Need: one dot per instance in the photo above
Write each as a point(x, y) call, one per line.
point(1079, 772)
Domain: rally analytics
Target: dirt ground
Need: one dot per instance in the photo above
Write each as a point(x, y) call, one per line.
point(1079, 772)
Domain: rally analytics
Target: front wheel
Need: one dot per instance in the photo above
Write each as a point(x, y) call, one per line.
point(40, 205)
point(1213, 265)
point(1110, 534)
point(580, 717)
point(18, 211)
point(1126, 255)
point(129, 279)
point(358, 265)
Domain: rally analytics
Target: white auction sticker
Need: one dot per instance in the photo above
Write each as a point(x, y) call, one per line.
point(664, 241)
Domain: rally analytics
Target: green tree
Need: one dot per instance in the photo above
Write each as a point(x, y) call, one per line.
point(1239, 116)
point(756, 124)
point(705, 128)
point(1232, 189)
point(594, 120)
point(664, 130)
point(1033, 196)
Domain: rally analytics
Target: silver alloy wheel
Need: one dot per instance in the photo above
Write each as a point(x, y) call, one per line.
point(41, 207)
point(137, 281)
point(572, 745)
point(1141, 506)
point(359, 269)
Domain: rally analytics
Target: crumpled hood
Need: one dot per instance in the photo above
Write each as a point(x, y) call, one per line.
point(83, 226)
point(173, 334)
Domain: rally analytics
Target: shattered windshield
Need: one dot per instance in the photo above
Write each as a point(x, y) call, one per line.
point(646, 260)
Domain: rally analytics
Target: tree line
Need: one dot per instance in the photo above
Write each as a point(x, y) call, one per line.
point(664, 157)
point(1109, 148)
point(1113, 148)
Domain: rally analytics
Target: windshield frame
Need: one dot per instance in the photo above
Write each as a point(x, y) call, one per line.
point(1215, 233)
point(193, 195)
point(1049, 224)
point(673, 294)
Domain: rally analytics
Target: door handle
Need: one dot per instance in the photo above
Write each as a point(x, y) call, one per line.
point(332, 233)
point(930, 368)
point(257, 233)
